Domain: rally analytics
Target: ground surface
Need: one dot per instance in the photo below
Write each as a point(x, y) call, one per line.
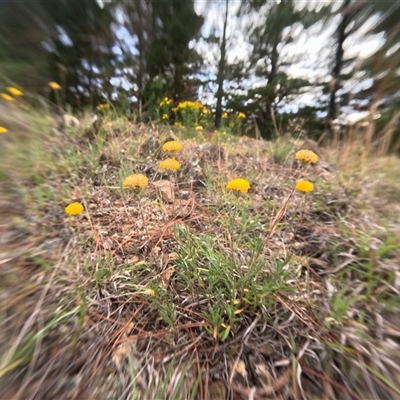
point(255, 296)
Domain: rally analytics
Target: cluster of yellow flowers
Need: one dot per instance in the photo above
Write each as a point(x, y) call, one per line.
point(192, 105)
point(140, 181)
point(232, 122)
point(241, 115)
point(165, 102)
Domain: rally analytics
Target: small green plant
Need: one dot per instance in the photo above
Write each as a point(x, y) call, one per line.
point(280, 149)
point(210, 274)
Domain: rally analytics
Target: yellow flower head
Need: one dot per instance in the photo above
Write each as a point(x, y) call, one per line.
point(74, 209)
point(241, 115)
point(3, 130)
point(225, 115)
point(136, 181)
point(178, 124)
point(172, 145)
point(199, 128)
point(103, 106)
point(307, 156)
point(148, 292)
point(304, 186)
point(15, 91)
point(239, 184)
point(54, 85)
point(165, 116)
point(170, 164)
point(7, 97)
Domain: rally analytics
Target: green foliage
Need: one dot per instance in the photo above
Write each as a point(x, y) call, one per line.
point(209, 271)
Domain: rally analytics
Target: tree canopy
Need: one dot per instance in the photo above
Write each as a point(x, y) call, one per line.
point(240, 57)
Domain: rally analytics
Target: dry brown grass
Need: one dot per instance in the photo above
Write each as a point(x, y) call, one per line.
point(78, 326)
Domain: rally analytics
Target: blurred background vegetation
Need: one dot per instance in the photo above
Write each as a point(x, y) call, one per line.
point(317, 67)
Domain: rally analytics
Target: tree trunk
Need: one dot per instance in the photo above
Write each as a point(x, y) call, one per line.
point(341, 37)
point(221, 72)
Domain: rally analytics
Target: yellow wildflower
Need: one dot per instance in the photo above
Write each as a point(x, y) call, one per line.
point(136, 180)
point(165, 116)
point(225, 115)
point(7, 97)
point(241, 115)
point(3, 130)
point(74, 209)
point(307, 156)
point(148, 292)
point(304, 186)
point(239, 184)
point(172, 145)
point(178, 124)
point(14, 91)
point(54, 85)
point(103, 106)
point(199, 128)
point(170, 164)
